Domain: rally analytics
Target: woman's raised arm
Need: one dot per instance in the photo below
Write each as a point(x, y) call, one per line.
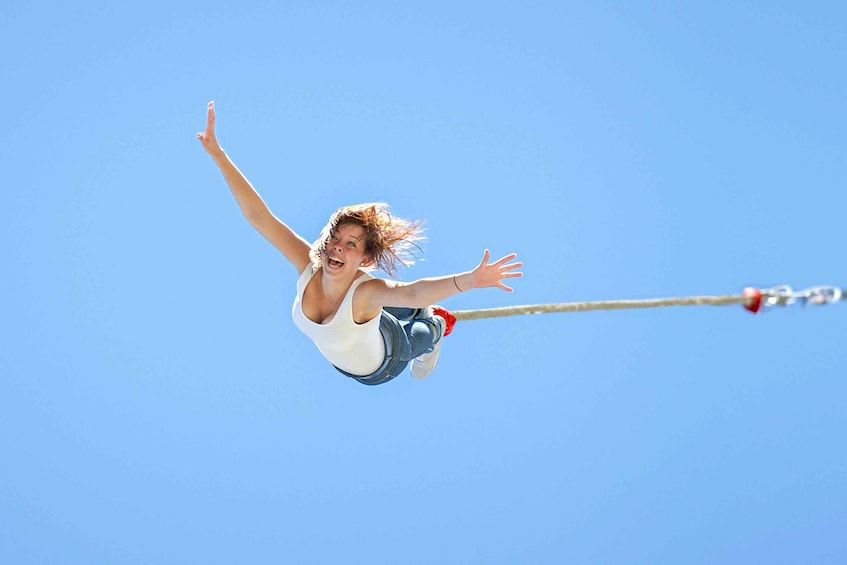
point(293, 246)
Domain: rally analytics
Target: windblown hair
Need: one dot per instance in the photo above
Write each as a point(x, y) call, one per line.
point(388, 240)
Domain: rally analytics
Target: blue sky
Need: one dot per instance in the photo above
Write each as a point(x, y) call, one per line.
point(158, 405)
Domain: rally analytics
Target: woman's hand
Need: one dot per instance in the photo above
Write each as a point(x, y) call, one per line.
point(492, 274)
point(207, 138)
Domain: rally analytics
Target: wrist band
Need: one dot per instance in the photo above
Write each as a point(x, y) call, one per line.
point(457, 284)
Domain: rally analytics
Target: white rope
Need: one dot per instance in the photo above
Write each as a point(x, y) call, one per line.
point(600, 305)
point(753, 299)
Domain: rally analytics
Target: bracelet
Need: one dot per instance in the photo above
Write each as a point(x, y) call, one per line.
point(457, 284)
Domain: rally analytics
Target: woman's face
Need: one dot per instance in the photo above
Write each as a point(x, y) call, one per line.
point(344, 251)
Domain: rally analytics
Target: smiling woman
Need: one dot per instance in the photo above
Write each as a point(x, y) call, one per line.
point(369, 328)
point(387, 239)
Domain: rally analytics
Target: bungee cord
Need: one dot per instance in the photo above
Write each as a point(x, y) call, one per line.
point(753, 299)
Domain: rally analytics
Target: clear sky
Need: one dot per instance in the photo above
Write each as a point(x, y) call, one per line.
point(157, 404)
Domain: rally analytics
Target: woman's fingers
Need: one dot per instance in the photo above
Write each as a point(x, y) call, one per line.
point(508, 257)
point(210, 121)
point(505, 271)
point(207, 138)
point(210, 117)
point(511, 267)
point(485, 257)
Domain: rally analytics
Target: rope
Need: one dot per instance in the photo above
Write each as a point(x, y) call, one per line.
point(752, 299)
point(599, 305)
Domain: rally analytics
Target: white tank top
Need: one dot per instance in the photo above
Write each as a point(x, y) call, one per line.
point(356, 348)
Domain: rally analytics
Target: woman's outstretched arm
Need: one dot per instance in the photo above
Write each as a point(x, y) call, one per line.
point(428, 291)
point(294, 247)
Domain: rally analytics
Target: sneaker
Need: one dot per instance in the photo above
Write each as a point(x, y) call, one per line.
point(424, 364)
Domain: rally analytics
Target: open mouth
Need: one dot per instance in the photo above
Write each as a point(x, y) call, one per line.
point(333, 262)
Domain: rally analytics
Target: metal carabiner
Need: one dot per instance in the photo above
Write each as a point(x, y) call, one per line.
point(781, 295)
point(821, 295)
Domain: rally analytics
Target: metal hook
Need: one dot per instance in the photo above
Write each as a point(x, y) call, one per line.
point(784, 295)
point(822, 295)
point(781, 295)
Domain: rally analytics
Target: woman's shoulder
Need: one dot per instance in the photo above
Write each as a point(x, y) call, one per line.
point(366, 284)
point(365, 293)
point(306, 275)
point(310, 269)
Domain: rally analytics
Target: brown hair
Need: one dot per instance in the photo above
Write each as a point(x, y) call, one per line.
point(388, 240)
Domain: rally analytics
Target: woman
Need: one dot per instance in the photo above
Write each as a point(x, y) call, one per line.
point(369, 328)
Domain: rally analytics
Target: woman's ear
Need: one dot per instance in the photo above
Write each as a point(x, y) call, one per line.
point(367, 261)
